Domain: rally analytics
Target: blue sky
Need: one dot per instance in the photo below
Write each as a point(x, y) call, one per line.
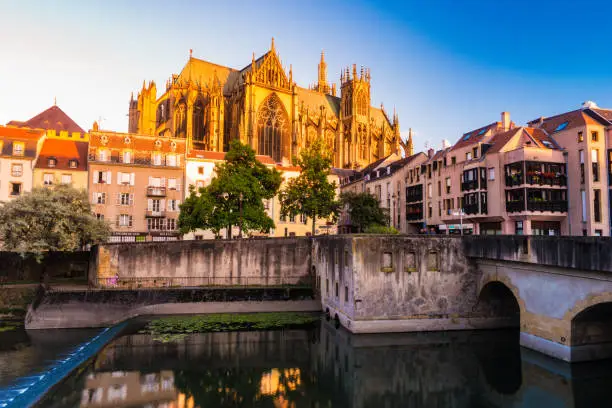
point(446, 66)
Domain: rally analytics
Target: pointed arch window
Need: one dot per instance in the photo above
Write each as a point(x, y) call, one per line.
point(180, 120)
point(198, 121)
point(272, 127)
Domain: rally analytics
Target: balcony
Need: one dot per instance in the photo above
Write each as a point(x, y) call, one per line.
point(549, 179)
point(156, 191)
point(469, 209)
point(515, 180)
point(552, 206)
point(414, 212)
point(515, 206)
point(155, 214)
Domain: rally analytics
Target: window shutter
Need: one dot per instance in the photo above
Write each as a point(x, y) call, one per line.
point(150, 204)
point(118, 199)
point(130, 220)
point(178, 184)
point(96, 175)
point(162, 205)
point(150, 181)
point(178, 160)
point(119, 178)
point(132, 178)
point(131, 199)
point(109, 177)
point(163, 182)
point(177, 205)
point(118, 220)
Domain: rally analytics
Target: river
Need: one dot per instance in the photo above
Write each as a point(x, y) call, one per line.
point(329, 367)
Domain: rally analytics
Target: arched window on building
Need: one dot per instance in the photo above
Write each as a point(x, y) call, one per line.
point(180, 120)
point(161, 114)
point(272, 127)
point(198, 121)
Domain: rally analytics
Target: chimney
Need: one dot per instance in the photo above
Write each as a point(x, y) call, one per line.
point(430, 152)
point(505, 120)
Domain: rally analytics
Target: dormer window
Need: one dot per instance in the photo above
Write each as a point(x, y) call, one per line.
point(18, 149)
point(103, 155)
point(73, 164)
point(52, 162)
point(157, 159)
point(127, 157)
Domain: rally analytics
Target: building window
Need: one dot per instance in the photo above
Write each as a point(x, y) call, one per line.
point(468, 156)
point(336, 289)
point(594, 136)
point(429, 190)
point(17, 170)
point(453, 160)
point(598, 233)
point(100, 198)
point(518, 227)
point(52, 162)
point(15, 189)
point(173, 205)
point(157, 159)
point(17, 149)
point(171, 160)
point(48, 179)
point(439, 188)
point(198, 237)
point(448, 185)
point(346, 294)
point(581, 157)
point(273, 127)
point(100, 217)
point(491, 173)
point(595, 164)
point(584, 205)
point(126, 199)
point(430, 210)
point(124, 220)
point(66, 178)
point(103, 155)
point(303, 219)
point(73, 164)
point(171, 224)
point(475, 152)
point(201, 170)
point(580, 137)
point(173, 184)
point(127, 157)
point(154, 205)
point(597, 205)
point(283, 218)
point(291, 218)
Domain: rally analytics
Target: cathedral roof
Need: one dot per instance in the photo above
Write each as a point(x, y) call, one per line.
point(203, 73)
point(314, 100)
point(52, 118)
point(379, 116)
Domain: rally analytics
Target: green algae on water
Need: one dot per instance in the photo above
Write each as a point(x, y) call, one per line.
point(166, 327)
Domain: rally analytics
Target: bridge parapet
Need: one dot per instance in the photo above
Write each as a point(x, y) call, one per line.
point(584, 253)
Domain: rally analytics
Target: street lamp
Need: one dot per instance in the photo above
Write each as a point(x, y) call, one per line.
point(460, 213)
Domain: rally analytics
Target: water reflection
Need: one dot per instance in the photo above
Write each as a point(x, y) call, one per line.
point(326, 367)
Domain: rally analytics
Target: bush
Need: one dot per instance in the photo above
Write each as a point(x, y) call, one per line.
point(381, 229)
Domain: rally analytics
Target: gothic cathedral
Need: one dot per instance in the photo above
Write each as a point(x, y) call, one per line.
point(210, 105)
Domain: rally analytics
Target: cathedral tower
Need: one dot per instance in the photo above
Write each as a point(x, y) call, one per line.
point(355, 116)
point(322, 85)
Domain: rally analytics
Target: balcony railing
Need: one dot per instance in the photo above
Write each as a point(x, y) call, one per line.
point(546, 179)
point(515, 180)
point(515, 206)
point(156, 191)
point(470, 208)
point(155, 214)
point(553, 206)
point(414, 212)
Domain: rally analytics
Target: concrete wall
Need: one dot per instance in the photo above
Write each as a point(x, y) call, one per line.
point(377, 283)
point(193, 263)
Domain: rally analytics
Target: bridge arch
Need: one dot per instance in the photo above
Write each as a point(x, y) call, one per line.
point(591, 322)
point(500, 299)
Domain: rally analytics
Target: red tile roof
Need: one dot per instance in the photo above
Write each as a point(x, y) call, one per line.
point(529, 136)
point(117, 141)
point(52, 118)
point(475, 136)
point(62, 151)
point(574, 119)
point(29, 136)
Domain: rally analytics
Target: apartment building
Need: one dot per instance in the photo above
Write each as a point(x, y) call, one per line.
point(19, 149)
point(585, 134)
point(62, 160)
point(136, 183)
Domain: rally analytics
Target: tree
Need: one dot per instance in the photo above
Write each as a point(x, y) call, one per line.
point(311, 193)
point(234, 196)
point(50, 219)
point(364, 211)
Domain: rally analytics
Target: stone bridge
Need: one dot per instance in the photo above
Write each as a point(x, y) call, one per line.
point(558, 290)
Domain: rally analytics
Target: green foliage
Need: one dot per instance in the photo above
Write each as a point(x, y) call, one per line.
point(50, 219)
point(364, 211)
point(234, 196)
point(311, 193)
point(226, 322)
point(380, 229)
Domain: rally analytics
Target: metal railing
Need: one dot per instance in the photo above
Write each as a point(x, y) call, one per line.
point(168, 282)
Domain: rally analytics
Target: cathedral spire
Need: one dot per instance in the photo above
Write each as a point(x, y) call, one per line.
point(322, 85)
point(272, 46)
point(409, 144)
